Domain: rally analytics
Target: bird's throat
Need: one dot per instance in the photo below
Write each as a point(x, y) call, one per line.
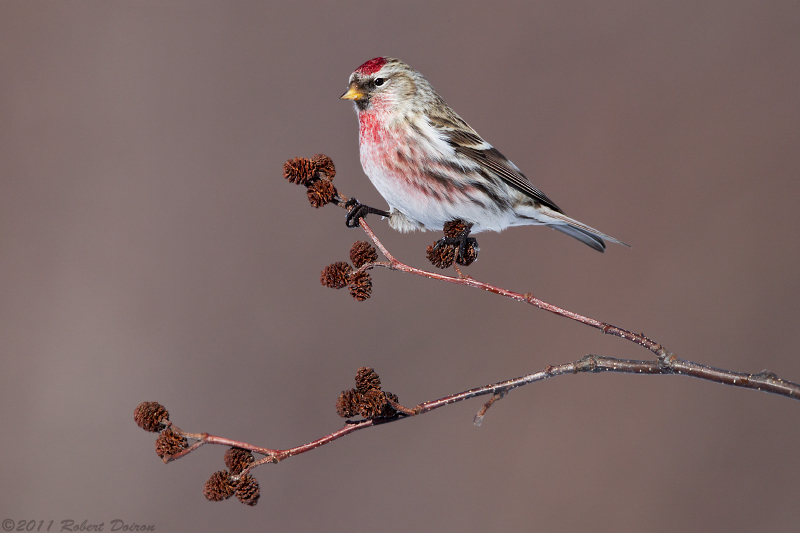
point(371, 130)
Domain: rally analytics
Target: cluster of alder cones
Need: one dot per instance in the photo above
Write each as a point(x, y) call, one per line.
point(225, 483)
point(316, 175)
point(154, 417)
point(341, 274)
point(366, 399)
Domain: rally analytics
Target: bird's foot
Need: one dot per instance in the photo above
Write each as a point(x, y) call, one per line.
point(456, 245)
point(356, 211)
point(467, 248)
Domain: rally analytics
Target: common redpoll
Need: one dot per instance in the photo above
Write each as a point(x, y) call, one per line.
point(431, 167)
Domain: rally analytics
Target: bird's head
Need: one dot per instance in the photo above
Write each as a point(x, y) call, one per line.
point(385, 84)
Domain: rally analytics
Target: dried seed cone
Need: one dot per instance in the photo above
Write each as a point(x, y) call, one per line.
point(372, 405)
point(300, 170)
point(150, 416)
point(389, 411)
point(336, 275)
point(362, 253)
point(323, 163)
point(361, 286)
point(170, 443)
point(237, 459)
point(219, 487)
point(347, 404)
point(248, 492)
point(367, 379)
point(321, 192)
point(456, 228)
point(441, 255)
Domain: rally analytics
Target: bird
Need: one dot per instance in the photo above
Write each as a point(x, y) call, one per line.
point(431, 167)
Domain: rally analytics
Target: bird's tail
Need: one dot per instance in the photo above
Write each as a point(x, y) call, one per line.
point(578, 230)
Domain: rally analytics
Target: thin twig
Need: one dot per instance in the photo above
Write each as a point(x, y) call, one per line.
point(528, 298)
point(478, 420)
point(205, 438)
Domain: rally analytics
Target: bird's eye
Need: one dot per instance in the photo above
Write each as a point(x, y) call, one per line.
point(379, 81)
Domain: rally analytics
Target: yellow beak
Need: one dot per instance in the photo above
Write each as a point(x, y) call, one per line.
point(353, 93)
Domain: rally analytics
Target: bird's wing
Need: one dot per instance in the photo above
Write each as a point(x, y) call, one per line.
point(467, 142)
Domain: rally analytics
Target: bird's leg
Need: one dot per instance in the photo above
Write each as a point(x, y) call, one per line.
point(464, 242)
point(356, 211)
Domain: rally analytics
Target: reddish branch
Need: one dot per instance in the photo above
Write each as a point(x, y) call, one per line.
point(765, 381)
point(665, 361)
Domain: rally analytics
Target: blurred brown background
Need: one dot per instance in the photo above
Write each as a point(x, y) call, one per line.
point(150, 250)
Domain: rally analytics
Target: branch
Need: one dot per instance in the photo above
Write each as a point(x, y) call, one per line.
point(588, 363)
point(666, 361)
point(379, 407)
